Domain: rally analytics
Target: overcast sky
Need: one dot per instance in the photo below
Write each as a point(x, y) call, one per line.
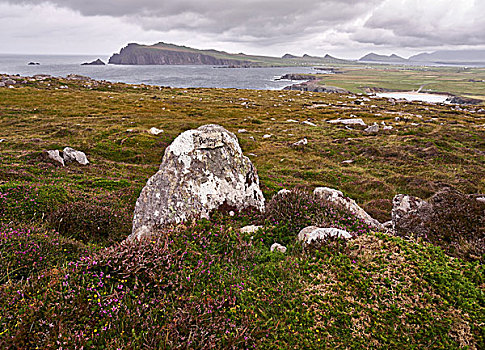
point(344, 28)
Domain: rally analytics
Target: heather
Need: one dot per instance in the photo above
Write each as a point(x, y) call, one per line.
point(69, 280)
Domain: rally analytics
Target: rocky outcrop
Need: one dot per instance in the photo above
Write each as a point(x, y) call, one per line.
point(314, 86)
point(313, 234)
point(97, 62)
point(450, 219)
point(336, 197)
point(296, 76)
point(202, 170)
point(135, 54)
point(463, 100)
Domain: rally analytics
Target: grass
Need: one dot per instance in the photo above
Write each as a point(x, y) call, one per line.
point(73, 283)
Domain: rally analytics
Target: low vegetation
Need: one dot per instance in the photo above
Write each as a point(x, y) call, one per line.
point(68, 280)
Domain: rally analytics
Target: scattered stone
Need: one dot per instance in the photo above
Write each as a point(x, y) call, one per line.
point(54, 156)
point(308, 123)
point(202, 170)
point(278, 247)
point(250, 229)
point(283, 192)
point(242, 131)
point(155, 131)
point(373, 129)
point(480, 199)
point(313, 233)
point(267, 136)
point(301, 143)
point(292, 121)
point(357, 121)
point(348, 161)
point(2, 140)
point(337, 197)
point(71, 155)
point(9, 82)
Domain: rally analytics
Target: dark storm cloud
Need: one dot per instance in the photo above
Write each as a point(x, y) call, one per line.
point(244, 20)
point(265, 26)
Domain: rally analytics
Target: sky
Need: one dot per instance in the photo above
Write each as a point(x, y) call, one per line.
point(342, 28)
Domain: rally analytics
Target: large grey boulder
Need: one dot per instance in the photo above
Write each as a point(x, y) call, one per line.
point(337, 197)
point(71, 155)
point(201, 170)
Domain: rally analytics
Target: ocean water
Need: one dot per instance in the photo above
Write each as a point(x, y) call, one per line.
point(173, 76)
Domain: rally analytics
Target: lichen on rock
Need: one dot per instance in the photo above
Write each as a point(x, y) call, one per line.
point(202, 170)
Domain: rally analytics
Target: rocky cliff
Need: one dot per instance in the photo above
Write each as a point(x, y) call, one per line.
point(135, 54)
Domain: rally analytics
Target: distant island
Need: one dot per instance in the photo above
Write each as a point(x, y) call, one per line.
point(97, 62)
point(170, 54)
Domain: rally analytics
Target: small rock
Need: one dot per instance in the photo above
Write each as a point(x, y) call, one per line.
point(308, 123)
point(267, 136)
point(348, 161)
point(155, 131)
point(232, 213)
point(278, 247)
point(313, 233)
point(303, 142)
point(283, 192)
point(404, 205)
point(373, 129)
point(357, 121)
point(480, 199)
point(292, 121)
point(2, 140)
point(54, 156)
point(250, 229)
point(71, 155)
point(242, 131)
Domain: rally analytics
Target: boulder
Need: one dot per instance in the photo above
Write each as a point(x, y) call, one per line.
point(71, 155)
point(313, 233)
point(334, 196)
point(202, 170)
point(54, 156)
point(278, 247)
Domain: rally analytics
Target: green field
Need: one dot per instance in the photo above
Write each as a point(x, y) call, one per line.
point(67, 281)
point(467, 82)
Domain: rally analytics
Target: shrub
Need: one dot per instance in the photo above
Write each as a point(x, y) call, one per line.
point(91, 222)
point(288, 213)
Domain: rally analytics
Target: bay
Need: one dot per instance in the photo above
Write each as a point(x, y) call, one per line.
point(173, 76)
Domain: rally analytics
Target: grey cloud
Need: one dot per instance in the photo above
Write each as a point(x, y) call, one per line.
point(411, 23)
point(266, 20)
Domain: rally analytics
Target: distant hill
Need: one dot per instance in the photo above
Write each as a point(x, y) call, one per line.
point(170, 54)
point(451, 56)
point(373, 57)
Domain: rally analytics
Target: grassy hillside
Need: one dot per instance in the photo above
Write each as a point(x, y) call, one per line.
point(66, 280)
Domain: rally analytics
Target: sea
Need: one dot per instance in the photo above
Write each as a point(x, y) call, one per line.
point(172, 76)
